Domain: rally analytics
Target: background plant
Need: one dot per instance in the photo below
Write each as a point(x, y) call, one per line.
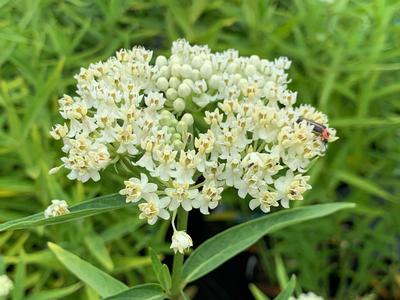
point(345, 61)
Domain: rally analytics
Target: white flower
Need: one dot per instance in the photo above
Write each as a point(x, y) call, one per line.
point(146, 161)
point(265, 200)
point(181, 241)
point(153, 209)
point(127, 140)
point(57, 208)
point(59, 131)
point(181, 195)
point(167, 163)
point(6, 285)
point(186, 166)
point(208, 198)
point(136, 189)
point(233, 172)
point(154, 101)
point(291, 187)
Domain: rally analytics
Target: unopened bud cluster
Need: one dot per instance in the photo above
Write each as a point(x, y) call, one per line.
point(195, 123)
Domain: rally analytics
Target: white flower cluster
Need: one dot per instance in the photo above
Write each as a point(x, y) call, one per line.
point(307, 296)
point(56, 208)
point(195, 123)
point(6, 285)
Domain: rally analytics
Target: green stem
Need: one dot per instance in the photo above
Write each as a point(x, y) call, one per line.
point(178, 258)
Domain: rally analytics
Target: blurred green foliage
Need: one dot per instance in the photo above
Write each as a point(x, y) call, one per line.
point(346, 61)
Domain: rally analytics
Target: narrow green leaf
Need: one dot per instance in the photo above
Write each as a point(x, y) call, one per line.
point(364, 184)
point(288, 291)
point(165, 277)
point(161, 271)
point(18, 292)
point(256, 292)
point(150, 291)
point(281, 272)
point(155, 262)
point(2, 265)
point(365, 122)
point(56, 293)
point(101, 282)
point(82, 210)
point(98, 249)
point(223, 246)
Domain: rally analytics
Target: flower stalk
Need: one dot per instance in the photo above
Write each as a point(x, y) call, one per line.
point(178, 258)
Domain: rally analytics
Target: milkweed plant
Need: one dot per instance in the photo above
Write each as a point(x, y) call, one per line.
point(188, 127)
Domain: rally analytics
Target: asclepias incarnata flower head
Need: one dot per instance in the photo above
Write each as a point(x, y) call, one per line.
point(194, 124)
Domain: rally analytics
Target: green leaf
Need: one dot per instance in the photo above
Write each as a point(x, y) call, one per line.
point(18, 292)
point(98, 249)
point(101, 282)
point(2, 265)
point(288, 291)
point(165, 278)
point(82, 210)
point(155, 262)
point(161, 271)
point(365, 185)
point(281, 272)
point(223, 246)
point(56, 293)
point(150, 291)
point(257, 293)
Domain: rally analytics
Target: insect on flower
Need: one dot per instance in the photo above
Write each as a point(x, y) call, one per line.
point(318, 128)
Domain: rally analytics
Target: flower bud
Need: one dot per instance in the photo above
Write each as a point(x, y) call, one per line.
point(176, 70)
point(250, 70)
point(174, 59)
point(164, 71)
point(188, 119)
point(161, 61)
point(188, 82)
point(162, 83)
point(55, 170)
point(166, 121)
point(179, 105)
point(215, 81)
point(178, 145)
point(184, 90)
point(176, 136)
point(197, 62)
point(181, 127)
point(186, 71)
point(181, 242)
point(206, 70)
point(255, 60)
point(6, 286)
point(242, 83)
point(174, 82)
point(195, 74)
point(171, 94)
point(231, 68)
point(166, 114)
